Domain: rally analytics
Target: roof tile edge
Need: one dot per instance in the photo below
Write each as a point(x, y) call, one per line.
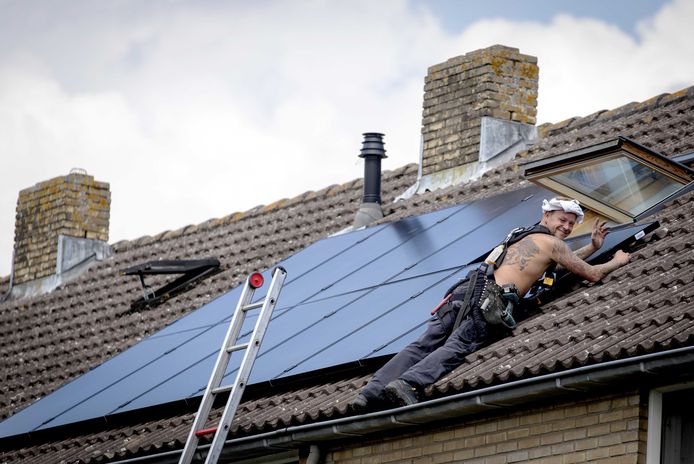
point(126, 245)
point(548, 129)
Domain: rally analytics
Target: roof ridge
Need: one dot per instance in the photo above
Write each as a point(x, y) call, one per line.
point(576, 122)
point(125, 245)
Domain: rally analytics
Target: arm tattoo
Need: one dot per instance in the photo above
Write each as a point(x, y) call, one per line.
point(521, 253)
point(560, 250)
point(584, 252)
point(563, 255)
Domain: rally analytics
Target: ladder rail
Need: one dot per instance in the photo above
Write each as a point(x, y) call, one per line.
point(216, 376)
point(244, 371)
point(229, 346)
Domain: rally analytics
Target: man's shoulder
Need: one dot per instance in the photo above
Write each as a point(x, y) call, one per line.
point(541, 239)
point(547, 246)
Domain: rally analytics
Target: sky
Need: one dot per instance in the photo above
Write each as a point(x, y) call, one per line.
point(193, 110)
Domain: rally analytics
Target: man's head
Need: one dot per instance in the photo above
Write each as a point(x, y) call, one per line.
point(560, 215)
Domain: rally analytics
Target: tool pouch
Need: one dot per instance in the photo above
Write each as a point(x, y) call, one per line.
point(496, 304)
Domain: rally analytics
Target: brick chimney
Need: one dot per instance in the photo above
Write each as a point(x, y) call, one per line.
point(61, 226)
point(479, 111)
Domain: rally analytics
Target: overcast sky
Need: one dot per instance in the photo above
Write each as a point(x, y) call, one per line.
point(198, 109)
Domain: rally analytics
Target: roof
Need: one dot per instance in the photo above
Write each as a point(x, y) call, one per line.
point(644, 307)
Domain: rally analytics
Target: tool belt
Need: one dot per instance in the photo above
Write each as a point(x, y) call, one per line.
point(495, 302)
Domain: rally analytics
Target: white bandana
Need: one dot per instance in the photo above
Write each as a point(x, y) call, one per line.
point(569, 206)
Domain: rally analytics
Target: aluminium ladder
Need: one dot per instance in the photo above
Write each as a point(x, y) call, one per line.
point(229, 346)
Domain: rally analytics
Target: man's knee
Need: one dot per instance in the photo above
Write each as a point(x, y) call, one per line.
point(467, 337)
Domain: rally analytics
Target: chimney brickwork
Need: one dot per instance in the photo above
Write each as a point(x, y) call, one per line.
point(497, 81)
point(74, 205)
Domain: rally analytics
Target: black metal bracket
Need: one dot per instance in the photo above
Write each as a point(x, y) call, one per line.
point(193, 271)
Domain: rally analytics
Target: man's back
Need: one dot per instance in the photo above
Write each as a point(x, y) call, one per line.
point(526, 261)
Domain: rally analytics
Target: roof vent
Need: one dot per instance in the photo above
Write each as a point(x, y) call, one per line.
point(372, 151)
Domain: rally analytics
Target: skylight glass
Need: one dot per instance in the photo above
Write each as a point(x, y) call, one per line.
point(620, 179)
point(622, 182)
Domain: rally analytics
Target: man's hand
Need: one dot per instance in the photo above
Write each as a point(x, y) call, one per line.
point(597, 236)
point(621, 257)
point(597, 239)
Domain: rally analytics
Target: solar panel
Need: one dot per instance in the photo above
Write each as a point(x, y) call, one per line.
point(383, 315)
point(196, 376)
point(346, 298)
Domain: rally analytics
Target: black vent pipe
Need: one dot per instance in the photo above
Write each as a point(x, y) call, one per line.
point(372, 151)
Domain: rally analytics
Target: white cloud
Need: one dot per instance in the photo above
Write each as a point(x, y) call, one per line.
point(193, 110)
point(193, 113)
point(587, 65)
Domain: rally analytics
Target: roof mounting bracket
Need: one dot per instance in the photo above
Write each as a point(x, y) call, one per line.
point(192, 271)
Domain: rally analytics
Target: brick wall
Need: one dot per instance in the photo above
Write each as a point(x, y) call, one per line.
point(497, 81)
point(74, 205)
point(608, 430)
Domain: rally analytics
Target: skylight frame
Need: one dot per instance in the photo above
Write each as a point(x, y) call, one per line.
point(541, 172)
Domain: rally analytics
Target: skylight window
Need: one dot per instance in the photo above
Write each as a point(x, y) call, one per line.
point(191, 272)
point(620, 179)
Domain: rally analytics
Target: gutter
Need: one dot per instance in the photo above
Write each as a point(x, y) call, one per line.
point(662, 366)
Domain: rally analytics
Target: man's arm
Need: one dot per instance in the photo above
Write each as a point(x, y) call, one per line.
point(563, 255)
point(597, 238)
point(584, 252)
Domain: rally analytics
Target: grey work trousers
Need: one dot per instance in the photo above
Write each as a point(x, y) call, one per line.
point(438, 351)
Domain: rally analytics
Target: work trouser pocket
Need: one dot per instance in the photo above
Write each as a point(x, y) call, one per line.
point(446, 314)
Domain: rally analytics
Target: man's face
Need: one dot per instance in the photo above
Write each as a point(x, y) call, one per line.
point(559, 223)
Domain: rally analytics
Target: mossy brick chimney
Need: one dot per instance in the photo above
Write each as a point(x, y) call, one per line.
point(70, 206)
point(496, 82)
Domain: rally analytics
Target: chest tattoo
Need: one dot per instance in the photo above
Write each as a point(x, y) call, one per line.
point(521, 253)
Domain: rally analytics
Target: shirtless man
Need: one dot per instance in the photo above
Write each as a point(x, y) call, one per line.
point(528, 259)
point(443, 347)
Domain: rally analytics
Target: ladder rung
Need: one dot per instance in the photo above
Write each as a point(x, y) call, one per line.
point(240, 346)
point(222, 389)
point(203, 432)
point(248, 307)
